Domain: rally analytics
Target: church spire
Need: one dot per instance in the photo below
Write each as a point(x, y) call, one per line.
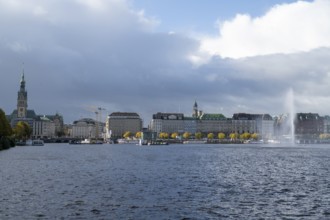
point(23, 80)
point(195, 109)
point(22, 99)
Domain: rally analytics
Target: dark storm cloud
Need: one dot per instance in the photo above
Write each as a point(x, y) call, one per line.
point(78, 56)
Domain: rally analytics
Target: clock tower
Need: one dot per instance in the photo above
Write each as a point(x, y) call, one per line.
point(22, 99)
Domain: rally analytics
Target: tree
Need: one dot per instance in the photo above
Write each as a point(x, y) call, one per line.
point(163, 135)
point(186, 135)
point(255, 136)
point(138, 134)
point(198, 135)
point(221, 136)
point(127, 134)
point(174, 135)
point(210, 136)
point(22, 130)
point(233, 136)
point(245, 136)
point(5, 129)
point(324, 136)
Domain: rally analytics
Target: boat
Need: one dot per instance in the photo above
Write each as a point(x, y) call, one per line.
point(126, 141)
point(271, 141)
point(37, 142)
point(157, 143)
point(195, 142)
point(254, 142)
point(142, 142)
point(75, 142)
point(86, 141)
point(89, 141)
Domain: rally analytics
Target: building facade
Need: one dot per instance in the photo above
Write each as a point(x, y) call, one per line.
point(326, 124)
point(42, 126)
point(309, 125)
point(83, 128)
point(120, 122)
point(213, 123)
point(263, 124)
point(167, 122)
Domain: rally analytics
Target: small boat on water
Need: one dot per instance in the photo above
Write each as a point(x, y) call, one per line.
point(75, 142)
point(127, 141)
point(254, 142)
point(90, 141)
point(86, 141)
point(157, 143)
point(37, 142)
point(30, 142)
point(195, 142)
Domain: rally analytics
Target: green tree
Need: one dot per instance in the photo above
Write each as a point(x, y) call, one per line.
point(198, 135)
point(5, 132)
point(221, 136)
point(127, 134)
point(210, 136)
point(186, 135)
point(22, 130)
point(5, 129)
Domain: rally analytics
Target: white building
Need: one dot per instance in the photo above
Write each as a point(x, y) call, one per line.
point(262, 124)
point(167, 122)
point(120, 122)
point(43, 127)
point(87, 128)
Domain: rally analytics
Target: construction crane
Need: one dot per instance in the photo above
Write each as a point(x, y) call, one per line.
point(98, 117)
point(100, 109)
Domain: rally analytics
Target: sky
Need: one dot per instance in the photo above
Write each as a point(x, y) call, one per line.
point(150, 56)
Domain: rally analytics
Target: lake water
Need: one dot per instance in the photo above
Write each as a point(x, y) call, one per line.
point(61, 181)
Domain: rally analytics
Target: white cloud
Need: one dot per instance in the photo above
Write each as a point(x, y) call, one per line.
point(75, 55)
point(93, 4)
point(18, 47)
point(40, 11)
point(286, 28)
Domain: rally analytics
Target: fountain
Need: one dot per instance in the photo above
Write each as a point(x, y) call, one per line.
point(289, 103)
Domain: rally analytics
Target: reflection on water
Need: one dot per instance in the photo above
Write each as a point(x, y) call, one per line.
point(59, 181)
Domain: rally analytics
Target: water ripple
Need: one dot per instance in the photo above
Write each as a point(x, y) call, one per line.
point(165, 182)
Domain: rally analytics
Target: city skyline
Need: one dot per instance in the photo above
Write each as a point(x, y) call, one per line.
point(139, 56)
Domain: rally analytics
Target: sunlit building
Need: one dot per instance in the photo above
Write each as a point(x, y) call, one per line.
point(167, 122)
point(87, 128)
point(262, 124)
point(120, 122)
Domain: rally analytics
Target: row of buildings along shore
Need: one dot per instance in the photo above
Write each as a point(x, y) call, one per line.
point(307, 125)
